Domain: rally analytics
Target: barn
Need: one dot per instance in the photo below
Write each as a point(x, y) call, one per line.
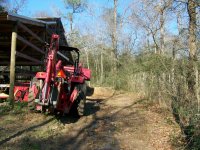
point(23, 47)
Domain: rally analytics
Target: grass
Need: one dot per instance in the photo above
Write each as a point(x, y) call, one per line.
point(4, 109)
point(177, 141)
point(28, 144)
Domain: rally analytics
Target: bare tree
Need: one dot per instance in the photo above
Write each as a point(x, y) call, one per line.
point(191, 8)
point(15, 6)
point(146, 19)
point(114, 38)
point(111, 18)
point(2, 5)
point(75, 6)
point(163, 7)
point(41, 14)
point(151, 16)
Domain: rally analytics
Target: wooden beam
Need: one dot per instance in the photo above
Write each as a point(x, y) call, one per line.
point(4, 56)
point(31, 32)
point(49, 31)
point(5, 25)
point(12, 65)
point(4, 43)
point(20, 63)
point(25, 46)
point(19, 73)
point(30, 44)
point(26, 20)
point(28, 57)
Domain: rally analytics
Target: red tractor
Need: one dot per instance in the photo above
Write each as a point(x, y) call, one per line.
point(59, 88)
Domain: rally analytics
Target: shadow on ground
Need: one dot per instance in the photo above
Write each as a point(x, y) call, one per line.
point(96, 130)
point(7, 141)
point(91, 108)
point(24, 131)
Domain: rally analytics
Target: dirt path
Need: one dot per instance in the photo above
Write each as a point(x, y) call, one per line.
point(122, 121)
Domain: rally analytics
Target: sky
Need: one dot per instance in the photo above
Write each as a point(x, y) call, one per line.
point(51, 6)
point(95, 7)
point(33, 6)
point(84, 22)
point(47, 5)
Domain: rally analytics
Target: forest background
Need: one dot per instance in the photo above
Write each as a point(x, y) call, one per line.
point(142, 46)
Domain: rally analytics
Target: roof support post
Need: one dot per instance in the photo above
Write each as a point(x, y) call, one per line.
point(12, 64)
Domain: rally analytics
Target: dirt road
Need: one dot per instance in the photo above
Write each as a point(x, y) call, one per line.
point(123, 121)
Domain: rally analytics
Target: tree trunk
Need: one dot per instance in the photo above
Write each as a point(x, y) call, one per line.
point(102, 70)
point(115, 37)
point(192, 46)
point(161, 32)
point(173, 67)
point(96, 69)
point(88, 64)
point(71, 23)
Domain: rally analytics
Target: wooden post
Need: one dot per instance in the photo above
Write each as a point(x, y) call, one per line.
point(12, 65)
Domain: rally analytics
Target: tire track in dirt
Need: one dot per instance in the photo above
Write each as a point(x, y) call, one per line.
point(121, 121)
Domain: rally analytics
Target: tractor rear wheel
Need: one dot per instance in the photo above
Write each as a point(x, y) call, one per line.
point(31, 95)
point(81, 99)
point(78, 107)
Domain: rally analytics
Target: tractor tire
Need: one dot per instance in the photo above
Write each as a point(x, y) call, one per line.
point(84, 89)
point(31, 96)
point(81, 99)
point(78, 107)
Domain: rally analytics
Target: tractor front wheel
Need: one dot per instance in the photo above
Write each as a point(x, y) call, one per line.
point(31, 95)
point(31, 99)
